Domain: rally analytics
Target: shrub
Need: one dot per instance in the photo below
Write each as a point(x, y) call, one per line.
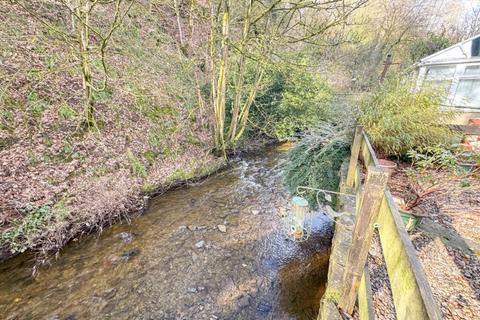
point(316, 160)
point(397, 118)
point(293, 101)
point(423, 47)
point(434, 156)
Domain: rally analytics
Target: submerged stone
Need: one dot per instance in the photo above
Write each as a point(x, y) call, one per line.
point(125, 236)
point(243, 301)
point(200, 244)
point(131, 253)
point(264, 307)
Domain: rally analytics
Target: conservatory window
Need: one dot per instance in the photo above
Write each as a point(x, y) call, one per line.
point(440, 73)
point(468, 90)
point(468, 93)
point(440, 77)
point(472, 71)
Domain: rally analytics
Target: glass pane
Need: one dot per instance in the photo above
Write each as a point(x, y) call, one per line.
point(472, 71)
point(440, 73)
point(468, 94)
point(440, 86)
point(476, 47)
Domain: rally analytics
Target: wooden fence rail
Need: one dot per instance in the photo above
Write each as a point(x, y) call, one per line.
point(412, 295)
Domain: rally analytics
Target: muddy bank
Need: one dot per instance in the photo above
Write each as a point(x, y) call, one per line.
point(98, 203)
point(215, 250)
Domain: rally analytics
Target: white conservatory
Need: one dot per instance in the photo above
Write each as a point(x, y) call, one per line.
point(457, 69)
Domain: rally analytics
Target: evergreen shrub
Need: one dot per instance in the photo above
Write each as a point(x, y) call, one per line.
point(316, 160)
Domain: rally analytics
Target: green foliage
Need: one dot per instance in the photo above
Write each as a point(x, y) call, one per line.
point(103, 95)
point(66, 112)
point(150, 156)
point(432, 157)
point(398, 119)
point(465, 183)
point(36, 105)
point(424, 179)
point(148, 187)
point(180, 174)
point(60, 210)
point(136, 166)
point(432, 43)
point(294, 100)
point(18, 236)
point(158, 137)
point(316, 160)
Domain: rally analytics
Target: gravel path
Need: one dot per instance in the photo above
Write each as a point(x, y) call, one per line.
point(448, 239)
point(381, 294)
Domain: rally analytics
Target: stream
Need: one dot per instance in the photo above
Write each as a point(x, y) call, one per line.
point(176, 262)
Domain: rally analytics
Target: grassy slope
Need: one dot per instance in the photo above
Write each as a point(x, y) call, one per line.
point(58, 180)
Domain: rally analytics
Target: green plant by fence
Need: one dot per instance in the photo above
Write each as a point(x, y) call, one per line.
point(374, 207)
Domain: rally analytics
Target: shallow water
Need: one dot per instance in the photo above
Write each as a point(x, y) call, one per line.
point(174, 263)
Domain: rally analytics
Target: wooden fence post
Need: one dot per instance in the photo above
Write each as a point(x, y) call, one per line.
point(372, 197)
point(355, 151)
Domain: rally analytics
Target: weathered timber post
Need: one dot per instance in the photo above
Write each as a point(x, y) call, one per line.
point(367, 214)
point(355, 151)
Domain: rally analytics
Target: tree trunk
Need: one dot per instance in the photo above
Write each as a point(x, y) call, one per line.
point(83, 14)
point(232, 131)
point(220, 85)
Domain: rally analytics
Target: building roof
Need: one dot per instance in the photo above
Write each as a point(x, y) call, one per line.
point(458, 53)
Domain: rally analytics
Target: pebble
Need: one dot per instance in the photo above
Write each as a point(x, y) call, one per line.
point(125, 236)
point(131, 253)
point(181, 230)
point(243, 301)
point(255, 212)
point(196, 228)
point(264, 307)
point(200, 244)
point(222, 228)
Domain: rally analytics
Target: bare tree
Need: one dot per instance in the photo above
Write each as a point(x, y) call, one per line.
point(471, 23)
point(90, 40)
point(262, 33)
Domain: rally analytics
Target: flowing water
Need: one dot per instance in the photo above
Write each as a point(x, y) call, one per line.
point(173, 262)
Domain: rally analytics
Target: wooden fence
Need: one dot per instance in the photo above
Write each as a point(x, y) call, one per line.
point(412, 295)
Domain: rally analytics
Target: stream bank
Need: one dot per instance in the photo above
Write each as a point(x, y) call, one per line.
point(214, 250)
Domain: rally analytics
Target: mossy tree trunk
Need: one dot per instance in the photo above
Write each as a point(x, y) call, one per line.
point(83, 11)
